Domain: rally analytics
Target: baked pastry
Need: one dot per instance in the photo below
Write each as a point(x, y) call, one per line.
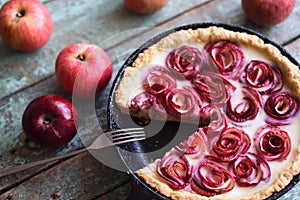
point(243, 93)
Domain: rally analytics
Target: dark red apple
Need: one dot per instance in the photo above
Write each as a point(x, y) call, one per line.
point(25, 25)
point(268, 12)
point(50, 120)
point(145, 6)
point(83, 70)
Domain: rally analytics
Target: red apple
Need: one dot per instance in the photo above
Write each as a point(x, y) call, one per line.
point(145, 6)
point(50, 120)
point(83, 70)
point(25, 25)
point(268, 12)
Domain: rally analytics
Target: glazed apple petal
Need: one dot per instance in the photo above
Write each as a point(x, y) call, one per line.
point(229, 145)
point(214, 119)
point(196, 146)
point(263, 77)
point(158, 80)
point(185, 60)
point(211, 178)
point(228, 57)
point(182, 102)
point(175, 169)
point(213, 88)
point(143, 102)
point(199, 83)
point(272, 143)
point(250, 169)
point(246, 109)
point(281, 108)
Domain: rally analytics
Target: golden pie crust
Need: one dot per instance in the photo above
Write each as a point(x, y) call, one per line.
point(291, 75)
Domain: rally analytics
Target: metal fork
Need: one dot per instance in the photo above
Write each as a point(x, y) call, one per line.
point(110, 138)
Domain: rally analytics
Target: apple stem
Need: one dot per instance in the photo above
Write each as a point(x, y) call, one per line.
point(81, 57)
point(21, 13)
point(47, 122)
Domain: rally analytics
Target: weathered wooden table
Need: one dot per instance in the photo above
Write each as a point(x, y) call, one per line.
point(26, 75)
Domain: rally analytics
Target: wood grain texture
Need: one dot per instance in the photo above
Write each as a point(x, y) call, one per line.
point(26, 75)
point(230, 12)
point(294, 49)
point(119, 193)
point(81, 177)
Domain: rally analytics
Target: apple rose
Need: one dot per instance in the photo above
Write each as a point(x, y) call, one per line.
point(272, 142)
point(211, 178)
point(263, 77)
point(175, 169)
point(185, 60)
point(199, 83)
point(250, 170)
point(247, 107)
point(228, 57)
point(195, 146)
point(213, 88)
point(281, 107)
point(182, 102)
point(214, 120)
point(143, 102)
point(159, 80)
point(231, 143)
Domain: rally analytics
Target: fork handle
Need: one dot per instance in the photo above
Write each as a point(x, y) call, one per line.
point(20, 168)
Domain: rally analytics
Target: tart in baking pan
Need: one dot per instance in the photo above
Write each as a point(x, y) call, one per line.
point(244, 95)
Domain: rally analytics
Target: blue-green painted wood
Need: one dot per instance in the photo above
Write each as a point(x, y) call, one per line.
point(22, 78)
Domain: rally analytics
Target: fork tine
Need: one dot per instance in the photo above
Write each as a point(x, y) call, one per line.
point(128, 140)
point(124, 130)
point(121, 134)
point(113, 137)
point(124, 137)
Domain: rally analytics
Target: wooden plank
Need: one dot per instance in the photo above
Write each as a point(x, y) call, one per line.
point(81, 177)
point(292, 194)
point(119, 193)
point(76, 21)
point(230, 12)
point(2, 2)
point(294, 49)
point(13, 105)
